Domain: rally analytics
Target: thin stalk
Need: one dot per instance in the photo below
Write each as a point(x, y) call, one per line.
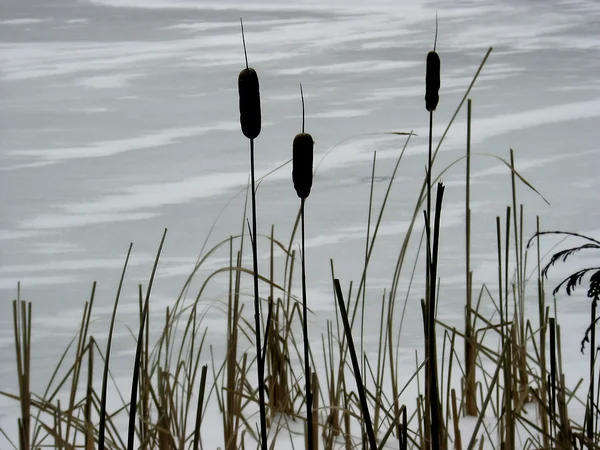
point(487, 399)
point(307, 373)
point(436, 423)
point(471, 404)
point(428, 306)
point(591, 406)
point(355, 366)
point(259, 358)
point(89, 428)
point(364, 292)
point(315, 411)
point(22, 345)
point(83, 330)
point(597, 405)
point(429, 163)
point(552, 376)
point(404, 431)
point(501, 307)
point(102, 425)
point(455, 416)
point(428, 219)
point(199, 408)
point(543, 323)
point(138, 351)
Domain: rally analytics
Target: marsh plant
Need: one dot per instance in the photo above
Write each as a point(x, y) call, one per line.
point(569, 284)
point(509, 378)
point(250, 121)
point(302, 177)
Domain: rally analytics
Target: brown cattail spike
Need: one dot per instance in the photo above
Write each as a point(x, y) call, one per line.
point(302, 164)
point(249, 103)
point(432, 81)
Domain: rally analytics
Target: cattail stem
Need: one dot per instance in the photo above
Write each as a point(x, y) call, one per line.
point(307, 373)
point(428, 221)
point(429, 163)
point(428, 294)
point(259, 358)
point(470, 352)
point(436, 423)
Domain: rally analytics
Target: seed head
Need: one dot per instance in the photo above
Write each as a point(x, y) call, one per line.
point(432, 81)
point(249, 103)
point(302, 164)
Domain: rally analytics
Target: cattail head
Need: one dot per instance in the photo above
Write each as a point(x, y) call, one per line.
point(302, 164)
point(249, 103)
point(432, 81)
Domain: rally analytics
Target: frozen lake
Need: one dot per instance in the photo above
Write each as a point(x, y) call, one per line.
point(119, 118)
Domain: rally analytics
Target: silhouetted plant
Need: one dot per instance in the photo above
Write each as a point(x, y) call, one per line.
point(569, 284)
point(432, 97)
point(302, 176)
point(250, 121)
point(576, 278)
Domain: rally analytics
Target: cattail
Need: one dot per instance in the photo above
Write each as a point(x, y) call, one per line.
point(249, 103)
point(432, 81)
point(250, 121)
point(302, 164)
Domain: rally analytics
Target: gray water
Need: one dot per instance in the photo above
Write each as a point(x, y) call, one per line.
point(119, 118)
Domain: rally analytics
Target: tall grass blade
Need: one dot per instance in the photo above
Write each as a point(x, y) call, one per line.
point(102, 424)
point(140, 340)
point(201, 391)
point(355, 365)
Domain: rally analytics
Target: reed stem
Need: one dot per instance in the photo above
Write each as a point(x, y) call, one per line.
point(591, 406)
point(259, 358)
point(102, 424)
point(307, 372)
point(355, 366)
point(138, 351)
